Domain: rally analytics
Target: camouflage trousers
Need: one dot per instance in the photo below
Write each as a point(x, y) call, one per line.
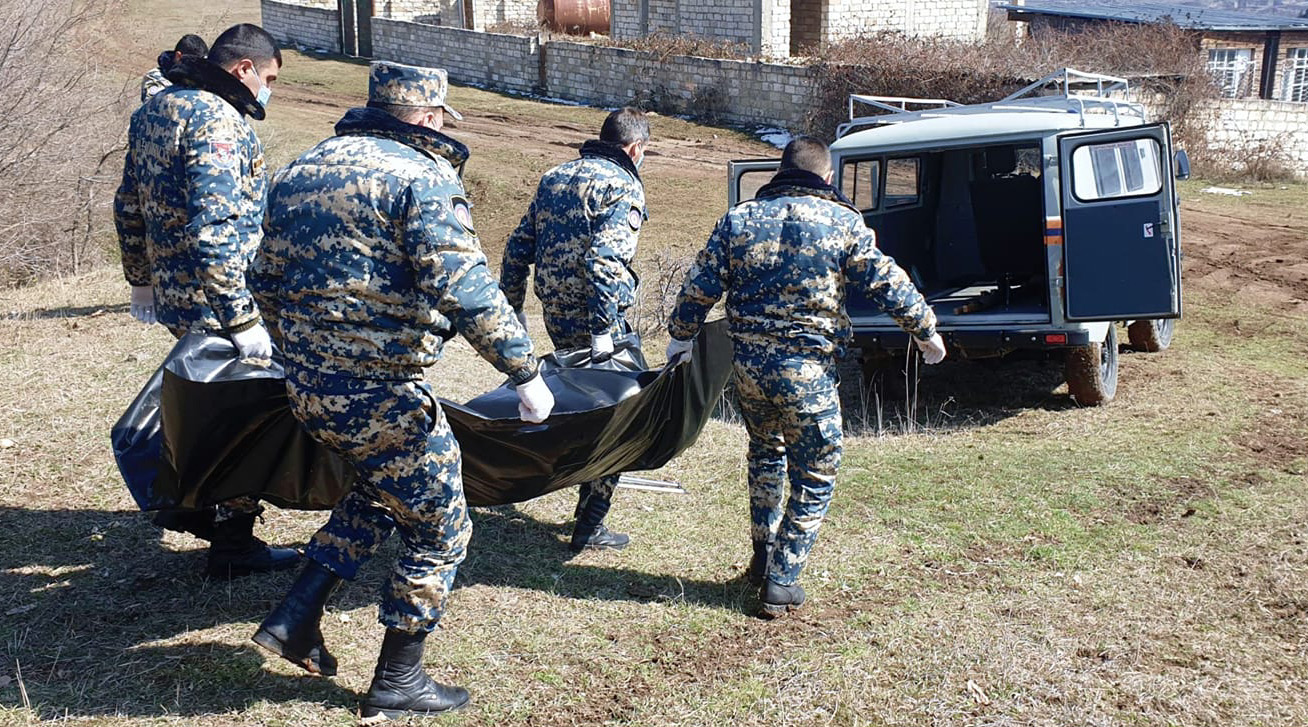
point(792, 413)
point(409, 479)
point(572, 332)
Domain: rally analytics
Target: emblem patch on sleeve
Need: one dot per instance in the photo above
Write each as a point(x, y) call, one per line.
point(635, 218)
point(463, 212)
point(223, 154)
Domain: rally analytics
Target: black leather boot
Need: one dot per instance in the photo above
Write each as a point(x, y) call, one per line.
point(235, 552)
point(590, 532)
point(292, 631)
point(400, 688)
point(758, 565)
point(778, 599)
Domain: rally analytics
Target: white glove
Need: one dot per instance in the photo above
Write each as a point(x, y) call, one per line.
point(679, 348)
point(142, 306)
point(601, 347)
point(535, 400)
point(933, 349)
point(522, 317)
point(254, 343)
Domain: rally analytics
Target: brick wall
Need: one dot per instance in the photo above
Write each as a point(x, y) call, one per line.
point(311, 23)
point(1236, 123)
point(437, 12)
point(775, 27)
point(506, 62)
point(961, 19)
point(742, 92)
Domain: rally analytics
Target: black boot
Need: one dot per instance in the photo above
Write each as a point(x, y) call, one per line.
point(400, 687)
point(778, 599)
point(758, 565)
point(590, 532)
point(235, 552)
point(292, 630)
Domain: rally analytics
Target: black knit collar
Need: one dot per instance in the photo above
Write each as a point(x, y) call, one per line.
point(196, 72)
point(791, 182)
point(596, 149)
point(365, 121)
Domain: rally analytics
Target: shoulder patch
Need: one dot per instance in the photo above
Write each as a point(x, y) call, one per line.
point(635, 217)
point(462, 212)
point(223, 154)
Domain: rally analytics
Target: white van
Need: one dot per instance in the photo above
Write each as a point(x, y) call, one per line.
point(1040, 221)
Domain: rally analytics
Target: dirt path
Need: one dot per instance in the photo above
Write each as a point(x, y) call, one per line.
point(1243, 254)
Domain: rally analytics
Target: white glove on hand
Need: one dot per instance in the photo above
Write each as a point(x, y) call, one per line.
point(933, 349)
point(254, 343)
point(142, 305)
point(679, 348)
point(522, 317)
point(601, 347)
point(535, 400)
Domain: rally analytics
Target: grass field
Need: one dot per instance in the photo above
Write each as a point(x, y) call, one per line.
point(1016, 560)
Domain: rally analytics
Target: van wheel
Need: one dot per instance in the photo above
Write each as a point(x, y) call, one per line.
point(1151, 336)
point(1091, 371)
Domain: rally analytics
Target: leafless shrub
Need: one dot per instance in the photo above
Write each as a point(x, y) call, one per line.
point(1249, 159)
point(662, 46)
point(55, 159)
point(515, 27)
point(1161, 59)
point(657, 293)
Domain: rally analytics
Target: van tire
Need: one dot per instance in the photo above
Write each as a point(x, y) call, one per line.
point(1151, 336)
point(1091, 371)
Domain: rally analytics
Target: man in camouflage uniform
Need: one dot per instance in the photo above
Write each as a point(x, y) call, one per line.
point(371, 262)
point(156, 79)
point(580, 234)
point(783, 260)
point(188, 214)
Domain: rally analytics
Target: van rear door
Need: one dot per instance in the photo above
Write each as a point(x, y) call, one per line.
point(746, 176)
point(1121, 242)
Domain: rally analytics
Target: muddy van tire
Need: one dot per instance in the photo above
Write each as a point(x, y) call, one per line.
point(1091, 371)
point(1151, 336)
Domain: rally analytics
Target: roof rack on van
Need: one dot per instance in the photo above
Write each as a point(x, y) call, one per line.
point(1066, 89)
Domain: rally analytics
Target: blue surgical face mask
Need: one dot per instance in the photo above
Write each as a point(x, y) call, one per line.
point(265, 93)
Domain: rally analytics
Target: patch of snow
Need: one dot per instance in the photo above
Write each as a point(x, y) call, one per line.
point(1228, 191)
point(776, 137)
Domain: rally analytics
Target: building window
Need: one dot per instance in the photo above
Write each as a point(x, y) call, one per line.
point(1296, 75)
point(1232, 69)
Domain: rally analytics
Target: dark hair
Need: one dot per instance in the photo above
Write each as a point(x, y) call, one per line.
point(244, 41)
point(624, 126)
point(192, 45)
point(807, 153)
point(407, 114)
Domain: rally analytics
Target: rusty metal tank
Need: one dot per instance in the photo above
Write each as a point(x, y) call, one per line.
point(578, 17)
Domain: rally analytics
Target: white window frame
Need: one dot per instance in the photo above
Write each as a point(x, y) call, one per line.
point(1294, 75)
point(1232, 69)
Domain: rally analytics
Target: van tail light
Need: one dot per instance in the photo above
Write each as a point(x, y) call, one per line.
point(1055, 338)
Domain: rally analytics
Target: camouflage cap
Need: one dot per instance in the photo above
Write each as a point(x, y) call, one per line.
point(401, 85)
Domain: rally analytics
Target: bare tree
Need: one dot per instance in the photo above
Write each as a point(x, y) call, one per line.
point(54, 149)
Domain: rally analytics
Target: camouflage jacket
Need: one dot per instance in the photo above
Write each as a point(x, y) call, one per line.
point(190, 205)
point(370, 261)
point(153, 82)
point(580, 232)
point(783, 259)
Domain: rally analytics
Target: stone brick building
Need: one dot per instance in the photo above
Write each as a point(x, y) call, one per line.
point(780, 28)
point(1250, 55)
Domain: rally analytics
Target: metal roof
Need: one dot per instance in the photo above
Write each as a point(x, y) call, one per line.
point(1185, 16)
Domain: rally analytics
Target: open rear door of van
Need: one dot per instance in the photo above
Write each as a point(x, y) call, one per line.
point(746, 176)
point(1121, 240)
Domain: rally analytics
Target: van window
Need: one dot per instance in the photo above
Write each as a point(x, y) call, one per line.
point(1117, 169)
point(750, 182)
point(859, 181)
point(902, 182)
